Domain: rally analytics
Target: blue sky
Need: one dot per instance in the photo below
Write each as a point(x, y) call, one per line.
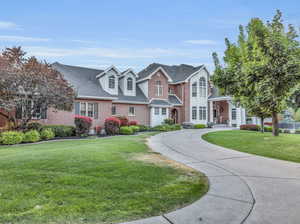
point(131, 33)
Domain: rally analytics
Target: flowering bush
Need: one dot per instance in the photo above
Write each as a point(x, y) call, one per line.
point(123, 119)
point(83, 125)
point(268, 123)
point(132, 123)
point(250, 127)
point(112, 125)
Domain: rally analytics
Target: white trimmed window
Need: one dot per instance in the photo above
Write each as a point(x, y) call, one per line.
point(111, 82)
point(202, 113)
point(113, 110)
point(156, 110)
point(194, 113)
point(202, 87)
point(131, 111)
point(159, 88)
point(129, 84)
point(194, 89)
point(87, 109)
point(164, 111)
point(233, 114)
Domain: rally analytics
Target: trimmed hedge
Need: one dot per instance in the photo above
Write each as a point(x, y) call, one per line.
point(126, 130)
point(268, 129)
point(31, 136)
point(47, 134)
point(61, 130)
point(250, 127)
point(143, 128)
point(135, 128)
point(169, 121)
point(166, 127)
point(199, 126)
point(11, 137)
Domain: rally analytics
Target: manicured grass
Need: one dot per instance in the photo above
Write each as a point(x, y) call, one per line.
point(90, 181)
point(285, 147)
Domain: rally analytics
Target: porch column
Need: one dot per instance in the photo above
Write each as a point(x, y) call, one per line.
point(211, 111)
point(229, 113)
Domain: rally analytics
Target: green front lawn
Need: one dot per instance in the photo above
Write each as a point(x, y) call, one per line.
point(285, 147)
point(104, 180)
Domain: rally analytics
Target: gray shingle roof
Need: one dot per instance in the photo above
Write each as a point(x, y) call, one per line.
point(174, 100)
point(176, 72)
point(85, 82)
point(139, 98)
point(160, 102)
point(82, 79)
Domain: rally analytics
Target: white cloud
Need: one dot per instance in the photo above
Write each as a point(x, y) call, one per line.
point(123, 53)
point(201, 42)
point(8, 25)
point(22, 39)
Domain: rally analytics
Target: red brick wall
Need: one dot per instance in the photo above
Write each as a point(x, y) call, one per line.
point(152, 85)
point(142, 112)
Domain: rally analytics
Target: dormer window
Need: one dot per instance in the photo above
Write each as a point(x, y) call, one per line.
point(129, 84)
point(159, 88)
point(111, 82)
point(202, 85)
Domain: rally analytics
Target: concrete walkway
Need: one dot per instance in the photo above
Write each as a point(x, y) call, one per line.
point(244, 188)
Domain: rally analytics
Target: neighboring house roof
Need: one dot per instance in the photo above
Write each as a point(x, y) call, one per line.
point(83, 80)
point(173, 99)
point(178, 73)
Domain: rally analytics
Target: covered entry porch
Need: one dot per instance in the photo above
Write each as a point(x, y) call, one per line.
point(223, 112)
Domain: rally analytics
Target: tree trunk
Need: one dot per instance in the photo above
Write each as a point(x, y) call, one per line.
point(275, 129)
point(262, 125)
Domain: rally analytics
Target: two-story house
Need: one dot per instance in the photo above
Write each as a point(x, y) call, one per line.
point(180, 92)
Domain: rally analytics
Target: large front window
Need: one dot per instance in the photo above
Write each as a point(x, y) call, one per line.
point(129, 84)
point(194, 113)
point(113, 110)
point(87, 109)
point(83, 109)
point(111, 82)
point(233, 113)
point(156, 110)
point(194, 89)
point(131, 111)
point(159, 88)
point(164, 111)
point(202, 113)
point(202, 87)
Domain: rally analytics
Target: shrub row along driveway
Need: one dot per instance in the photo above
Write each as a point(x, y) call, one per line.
point(244, 188)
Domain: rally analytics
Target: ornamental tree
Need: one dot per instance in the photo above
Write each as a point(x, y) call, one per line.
point(261, 70)
point(28, 87)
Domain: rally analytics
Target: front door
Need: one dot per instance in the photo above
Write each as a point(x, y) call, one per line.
point(174, 116)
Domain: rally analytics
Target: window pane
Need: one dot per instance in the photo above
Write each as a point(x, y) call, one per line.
point(194, 89)
point(129, 84)
point(194, 113)
point(164, 111)
point(83, 109)
point(233, 114)
point(111, 82)
point(202, 85)
point(90, 109)
point(156, 110)
point(131, 111)
point(113, 110)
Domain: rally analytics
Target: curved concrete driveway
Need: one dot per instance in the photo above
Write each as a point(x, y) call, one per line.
point(244, 188)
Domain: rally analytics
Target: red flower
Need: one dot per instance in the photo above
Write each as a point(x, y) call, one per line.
point(132, 123)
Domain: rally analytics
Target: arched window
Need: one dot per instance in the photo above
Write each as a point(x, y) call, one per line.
point(194, 89)
point(202, 85)
point(129, 84)
point(111, 82)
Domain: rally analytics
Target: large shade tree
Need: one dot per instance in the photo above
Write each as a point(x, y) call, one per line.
point(262, 69)
point(28, 87)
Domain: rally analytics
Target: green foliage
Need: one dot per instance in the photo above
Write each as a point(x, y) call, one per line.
point(126, 130)
point(135, 128)
point(31, 136)
point(47, 134)
point(169, 121)
point(177, 127)
point(297, 131)
point(143, 128)
point(262, 68)
point(34, 126)
point(268, 129)
point(166, 127)
point(199, 126)
point(61, 130)
point(11, 137)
